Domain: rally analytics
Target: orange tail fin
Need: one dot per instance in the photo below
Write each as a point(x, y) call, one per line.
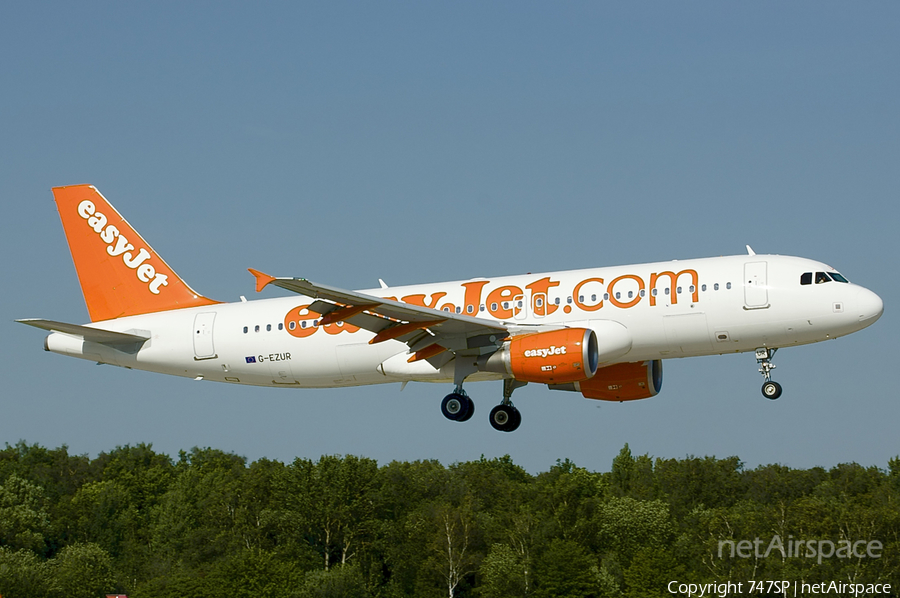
point(120, 274)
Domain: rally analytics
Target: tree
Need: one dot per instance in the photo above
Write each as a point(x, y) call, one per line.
point(23, 575)
point(23, 516)
point(566, 570)
point(83, 571)
point(344, 581)
point(502, 573)
point(334, 500)
point(626, 525)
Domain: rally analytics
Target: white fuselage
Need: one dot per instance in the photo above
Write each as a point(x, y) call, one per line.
point(669, 309)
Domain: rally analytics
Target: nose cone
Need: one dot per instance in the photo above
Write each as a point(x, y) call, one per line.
point(869, 306)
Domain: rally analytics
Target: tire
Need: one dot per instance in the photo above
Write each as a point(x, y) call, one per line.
point(771, 390)
point(515, 421)
point(455, 407)
point(505, 418)
point(470, 410)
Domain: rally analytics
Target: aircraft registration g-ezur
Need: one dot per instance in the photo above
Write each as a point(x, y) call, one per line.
point(602, 332)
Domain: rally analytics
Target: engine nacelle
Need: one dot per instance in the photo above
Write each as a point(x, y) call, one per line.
point(621, 382)
point(553, 357)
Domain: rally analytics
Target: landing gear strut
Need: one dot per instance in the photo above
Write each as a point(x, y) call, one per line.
point(457, 406)
point(505, 417)
point(770, 388)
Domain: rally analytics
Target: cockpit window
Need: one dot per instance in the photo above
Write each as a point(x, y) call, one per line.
point(822, 277)
point(838, 278)
point(806, 278)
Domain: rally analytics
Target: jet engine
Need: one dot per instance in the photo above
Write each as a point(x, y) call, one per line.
point(552, 357)
point(620, 382)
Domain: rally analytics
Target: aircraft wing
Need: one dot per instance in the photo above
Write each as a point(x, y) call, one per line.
point(427, 331)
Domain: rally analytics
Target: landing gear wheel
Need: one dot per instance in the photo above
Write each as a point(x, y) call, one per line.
point(771, 390)
point(505, 418)
point(516, 420)
point(470, 410)
point(457, 407)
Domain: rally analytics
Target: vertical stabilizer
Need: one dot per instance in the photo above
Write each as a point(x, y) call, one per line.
point(119, 272)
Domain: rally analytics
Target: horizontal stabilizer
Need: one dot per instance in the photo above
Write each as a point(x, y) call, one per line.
point(94, 335)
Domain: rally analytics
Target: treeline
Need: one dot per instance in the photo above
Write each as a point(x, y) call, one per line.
point(208, 524)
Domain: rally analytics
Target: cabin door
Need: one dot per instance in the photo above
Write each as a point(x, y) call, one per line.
point(756, 293)
point(203, 336)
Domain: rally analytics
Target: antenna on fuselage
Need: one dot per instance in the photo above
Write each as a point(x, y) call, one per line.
point(750, 251)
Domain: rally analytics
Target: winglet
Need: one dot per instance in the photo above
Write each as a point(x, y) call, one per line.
point(262, 279)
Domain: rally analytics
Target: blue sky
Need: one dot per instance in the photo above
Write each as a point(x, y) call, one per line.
point(419, 142)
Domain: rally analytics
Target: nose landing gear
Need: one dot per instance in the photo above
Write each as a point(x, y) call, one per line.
point(770, 388)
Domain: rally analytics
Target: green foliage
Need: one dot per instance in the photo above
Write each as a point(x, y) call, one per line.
point(23, 518)
point(503, 573)
point(566, 570)
point(344, 581)
point(23, 574)
point(210, 525)
point(83, 571)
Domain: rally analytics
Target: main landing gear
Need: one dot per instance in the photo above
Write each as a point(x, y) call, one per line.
point(770, 388)
point(457, 406)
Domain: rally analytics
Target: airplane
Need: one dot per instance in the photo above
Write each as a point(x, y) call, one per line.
point(602, 332)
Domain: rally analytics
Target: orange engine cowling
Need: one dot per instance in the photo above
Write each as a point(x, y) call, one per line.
point(621, 382)
point(553, 357)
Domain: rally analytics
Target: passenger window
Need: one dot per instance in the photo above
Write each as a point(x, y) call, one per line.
point(481, 307)
point(728, 285)
point(292, 325)
point(667, 290)
point(256, 328)
point(806, 278)
point(642, 293)
point(493, 307)
point(822, 278)
point(470, 309)
point(716, 287)
point(678, 290)
point(654, 292)
point(280, 326)
point(268, 328)
point(245, 330)
point(593, 297)
point(556, 301)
